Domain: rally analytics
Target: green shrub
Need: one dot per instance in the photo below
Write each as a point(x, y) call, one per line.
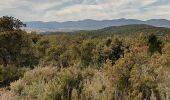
point(53, 91)
point(34, 81)
point(17, 86)
point(10, 73)
point(50, 83)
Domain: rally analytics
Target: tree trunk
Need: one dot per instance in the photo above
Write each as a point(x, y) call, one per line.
point(5, 63)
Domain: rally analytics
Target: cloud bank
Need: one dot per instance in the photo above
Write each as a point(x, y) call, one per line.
point(70, 10)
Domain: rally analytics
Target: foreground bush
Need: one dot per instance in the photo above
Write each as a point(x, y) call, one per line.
point(9, 74)
point(50, 83)
point(135, 76)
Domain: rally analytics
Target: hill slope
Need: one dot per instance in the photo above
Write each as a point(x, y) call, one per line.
point(120, 30)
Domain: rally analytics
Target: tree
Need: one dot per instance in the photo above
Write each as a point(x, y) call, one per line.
point(87, 53)
point(52, 56)
point(15, 45)
point(155, 45)
point(10, 24)
point(117, 50)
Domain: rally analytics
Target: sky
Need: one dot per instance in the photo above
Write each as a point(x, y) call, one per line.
point(72, 10)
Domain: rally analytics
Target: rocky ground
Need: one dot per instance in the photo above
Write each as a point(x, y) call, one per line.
point(6, 94)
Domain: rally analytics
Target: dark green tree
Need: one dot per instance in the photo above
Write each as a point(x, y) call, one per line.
point(155, 45)
point(15, 45)
point(117, 51)
point(10, 24)
point(87, 53)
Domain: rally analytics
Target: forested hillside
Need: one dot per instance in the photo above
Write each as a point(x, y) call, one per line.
point(116, 63)
point(130, 30)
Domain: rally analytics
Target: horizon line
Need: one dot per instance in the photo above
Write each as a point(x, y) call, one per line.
point(100, 20)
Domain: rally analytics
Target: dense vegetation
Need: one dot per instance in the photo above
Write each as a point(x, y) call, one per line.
point(82, 67)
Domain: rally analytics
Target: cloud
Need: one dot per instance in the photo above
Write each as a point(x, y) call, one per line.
point(64, 10)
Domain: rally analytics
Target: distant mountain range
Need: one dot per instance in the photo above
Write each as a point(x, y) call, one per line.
point(89, 24)
point(125, 30)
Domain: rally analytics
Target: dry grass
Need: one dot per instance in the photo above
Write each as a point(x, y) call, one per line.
point(9, 95)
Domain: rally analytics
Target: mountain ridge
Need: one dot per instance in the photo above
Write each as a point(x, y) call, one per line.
point(90, 24)
point(130, 30)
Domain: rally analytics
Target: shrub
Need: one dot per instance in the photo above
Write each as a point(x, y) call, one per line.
point(17, 86)
point(10, 73)
point(34, 81)
point(50, 83)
